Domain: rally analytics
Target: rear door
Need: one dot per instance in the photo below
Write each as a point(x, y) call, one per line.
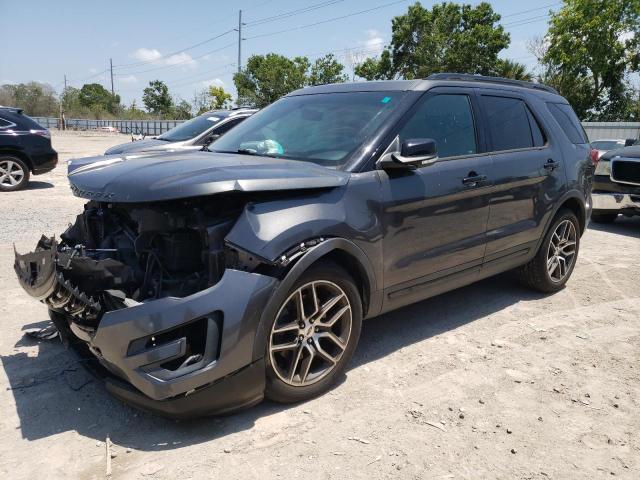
point(526, 173)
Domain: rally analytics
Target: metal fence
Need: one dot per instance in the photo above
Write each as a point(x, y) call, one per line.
point(595, 130)
point(136, 127)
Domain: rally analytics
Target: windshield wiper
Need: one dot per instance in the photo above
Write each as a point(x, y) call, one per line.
point(247, 151)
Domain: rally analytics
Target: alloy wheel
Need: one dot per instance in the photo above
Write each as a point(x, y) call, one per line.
point(562, 251)
point(310, 334)
point(11, 173)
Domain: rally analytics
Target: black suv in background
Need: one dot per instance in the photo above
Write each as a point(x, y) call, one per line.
point(204, 281)
point(25, 148)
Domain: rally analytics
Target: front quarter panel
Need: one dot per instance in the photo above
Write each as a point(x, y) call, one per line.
point(268, 229)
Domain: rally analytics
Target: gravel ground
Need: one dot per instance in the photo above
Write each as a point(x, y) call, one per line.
point(489, 381)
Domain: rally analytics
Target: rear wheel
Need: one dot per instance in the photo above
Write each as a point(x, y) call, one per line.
point(313, 335)
point(553, 264)
point(604, 217)
point(14, 174)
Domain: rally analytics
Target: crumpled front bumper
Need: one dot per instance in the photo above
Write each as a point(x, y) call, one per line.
point(138, 343)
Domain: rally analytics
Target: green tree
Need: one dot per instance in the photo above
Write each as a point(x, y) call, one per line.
point(327, 70)
point(182, 110)
point(266, 78)
point(449, 37)
point(219, 98)
point(510, 69)
point(589, 50)
point(37, 99)
point(98, 99)
point(156, 98)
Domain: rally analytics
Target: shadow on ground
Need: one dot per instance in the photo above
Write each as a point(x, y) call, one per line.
point(54, 393)
point(629, 226)
point(35, 185)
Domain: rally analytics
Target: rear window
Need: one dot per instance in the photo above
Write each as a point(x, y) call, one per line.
point(511, 124)
point(5, 123)
point(565, 116)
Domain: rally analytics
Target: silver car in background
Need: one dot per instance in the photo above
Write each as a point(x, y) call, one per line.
point(190, 135)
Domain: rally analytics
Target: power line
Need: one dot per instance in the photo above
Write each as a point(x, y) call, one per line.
point(189, 60)
point(526, 21)
point(292, 13)
point(169, 55)
point(327, 20)
point(531, 10)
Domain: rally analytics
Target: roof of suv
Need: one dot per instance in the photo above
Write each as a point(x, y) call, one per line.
point(438, 79)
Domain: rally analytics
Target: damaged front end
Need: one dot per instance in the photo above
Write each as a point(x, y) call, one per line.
point(153, 292)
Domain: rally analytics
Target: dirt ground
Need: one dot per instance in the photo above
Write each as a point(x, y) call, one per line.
point(489, 381)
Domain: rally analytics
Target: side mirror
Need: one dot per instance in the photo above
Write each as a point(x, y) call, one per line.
point(629, 142)
point(415, 153)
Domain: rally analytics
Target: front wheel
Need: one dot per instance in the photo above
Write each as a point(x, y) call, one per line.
point(553, 264)
point(313, 335)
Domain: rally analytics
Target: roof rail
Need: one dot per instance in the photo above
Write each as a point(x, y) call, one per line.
point(14, 109)
point(482, 78)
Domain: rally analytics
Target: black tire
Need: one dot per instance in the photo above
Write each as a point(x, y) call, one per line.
point(535, 274)
point(604, 217)
point(277, 389)
point(15, 165)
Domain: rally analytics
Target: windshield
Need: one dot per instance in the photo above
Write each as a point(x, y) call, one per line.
point(322, 128)
point(191, 128)
point(607, 144)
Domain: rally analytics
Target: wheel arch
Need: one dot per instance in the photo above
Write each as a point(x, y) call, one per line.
point(17, 153)
point(338, 250)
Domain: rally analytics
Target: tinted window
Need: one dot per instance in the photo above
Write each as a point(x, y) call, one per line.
point(191, 128)
point(227, 126)
point(322, 128)
point(509, 122)
point(536, 131)
point(5, 123)
point(448, 120)
point(568, 121)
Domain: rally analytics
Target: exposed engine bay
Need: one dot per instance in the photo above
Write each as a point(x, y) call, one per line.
point(116, 255)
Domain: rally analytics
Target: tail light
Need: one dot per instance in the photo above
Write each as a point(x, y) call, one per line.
point(595, 156)
point(42, 133)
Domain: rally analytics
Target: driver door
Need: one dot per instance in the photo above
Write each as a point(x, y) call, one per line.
point(435, 217)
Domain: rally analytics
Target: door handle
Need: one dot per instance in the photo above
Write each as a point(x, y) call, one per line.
point(473, 179)
point(550, 166)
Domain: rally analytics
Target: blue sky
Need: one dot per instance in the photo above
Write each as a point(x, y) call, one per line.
point(77, 38)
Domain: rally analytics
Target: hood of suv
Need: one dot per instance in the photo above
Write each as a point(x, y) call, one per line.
point(141, 146)
point(151, 178)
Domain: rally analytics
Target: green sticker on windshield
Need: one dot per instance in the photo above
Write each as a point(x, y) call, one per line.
point(386, 100)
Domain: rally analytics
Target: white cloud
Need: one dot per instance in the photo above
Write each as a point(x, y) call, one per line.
point(214, 81)
point(128, 79)
point(153, 55)
point(374, 43)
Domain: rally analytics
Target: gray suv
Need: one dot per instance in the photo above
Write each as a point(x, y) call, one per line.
point(200, 283)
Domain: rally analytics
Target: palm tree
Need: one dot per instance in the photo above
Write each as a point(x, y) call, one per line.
point(511, 69)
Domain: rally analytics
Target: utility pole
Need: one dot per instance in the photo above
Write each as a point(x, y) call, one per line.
point(111, 68)
point(239, 40)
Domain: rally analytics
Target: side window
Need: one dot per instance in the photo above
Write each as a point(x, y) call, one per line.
point(224, 128)
point(510, 123)
point(536, 131)
point(448, 120)
point(568, 121)
point(6, 123)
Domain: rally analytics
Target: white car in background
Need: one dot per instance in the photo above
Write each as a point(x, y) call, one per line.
point(190, 135)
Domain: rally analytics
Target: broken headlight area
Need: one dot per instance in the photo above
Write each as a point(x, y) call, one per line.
point(117, 255)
